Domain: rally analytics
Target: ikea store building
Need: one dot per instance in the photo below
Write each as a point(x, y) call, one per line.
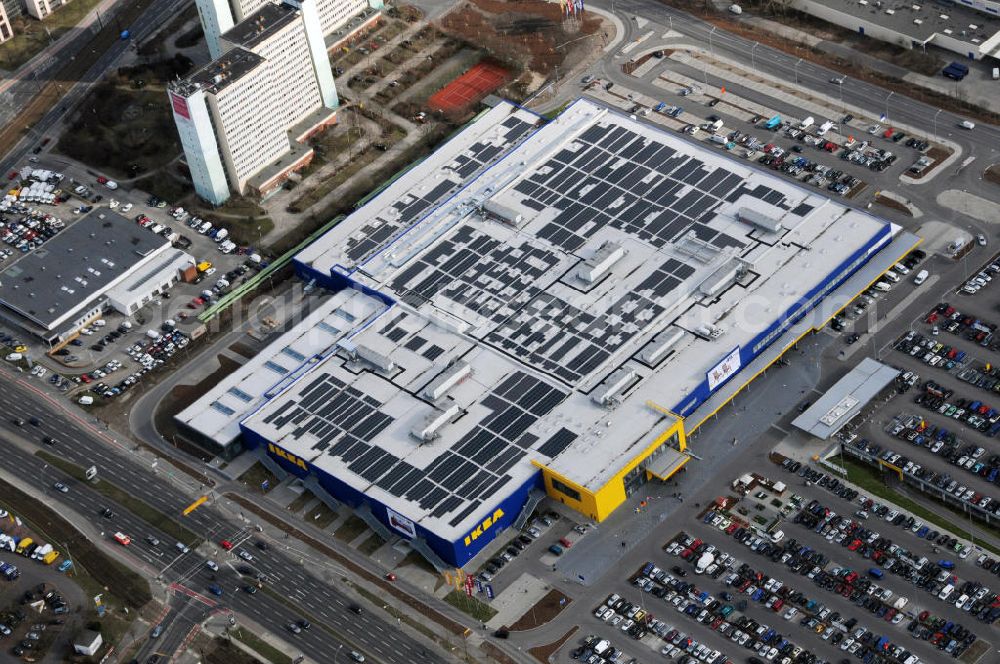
point(539, 308)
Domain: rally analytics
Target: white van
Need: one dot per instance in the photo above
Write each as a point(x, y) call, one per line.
point(716, 126)
point(808, 122)
point(967, 125)
point(946, 592)
point(221, 235)
point(891, 276)
point(921, 277)
point(14, 357)
point(882, 286)
point(85, 400)
point(204, 228)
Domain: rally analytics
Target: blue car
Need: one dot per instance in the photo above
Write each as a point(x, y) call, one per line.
point(946, 564)
point(923, 532)
point(215, 590)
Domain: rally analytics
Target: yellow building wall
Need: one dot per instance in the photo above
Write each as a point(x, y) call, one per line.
point(600, 504)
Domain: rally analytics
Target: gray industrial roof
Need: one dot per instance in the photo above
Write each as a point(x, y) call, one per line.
point(846, 398)
point(921, 21)
point(75, 265)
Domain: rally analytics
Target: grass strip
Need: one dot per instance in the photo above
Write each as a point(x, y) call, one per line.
point(869, 479)
point(260, 646)
point(479, 610)
point(142, 510)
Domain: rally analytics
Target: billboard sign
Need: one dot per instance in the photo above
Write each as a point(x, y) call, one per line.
point(180, 106)
point(401, 523)
point(722, 371)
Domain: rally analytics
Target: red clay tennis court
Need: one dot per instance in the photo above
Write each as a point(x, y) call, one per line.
point(469, 88)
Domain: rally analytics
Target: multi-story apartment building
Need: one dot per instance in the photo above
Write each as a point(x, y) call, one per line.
point(219, 16)
point(244, 117)
point(42, 8)
point(6, 30)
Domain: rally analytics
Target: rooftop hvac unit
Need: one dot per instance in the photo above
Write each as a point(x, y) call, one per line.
point(448, 379)
point(598, 265)
point(660, 344)
point(722, 278)
point(430, 427)
point(760, 220)
point(378, 360)
point(607, 392)
point(710, 331)
point(503, 214)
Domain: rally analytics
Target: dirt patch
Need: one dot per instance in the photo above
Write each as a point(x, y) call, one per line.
point(351, 529)
point(256, 476)
point(383, 585)
point(523, 34)
point(243, 349)
point(224, 652)
point(893, 204)
point(542, 653)
point(371, 545)
point(544, 611)
point(992, 174)
point(938, 154)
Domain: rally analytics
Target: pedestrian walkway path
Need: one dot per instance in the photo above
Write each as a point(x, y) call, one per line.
point(516, 599)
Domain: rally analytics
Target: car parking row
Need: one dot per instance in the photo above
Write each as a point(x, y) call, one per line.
point(541, 523)
point(942, 481)
point(782, 599)
point(976, 414)
point(931, 352)
point(836, 486)
point(946, 444)
point(937, 578)
point(597, 650)
point(27, 229)
point(948, 318)
point(862, 591)
point(983, 277)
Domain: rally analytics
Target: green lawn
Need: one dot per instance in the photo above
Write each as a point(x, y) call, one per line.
point(255, 475)
point(258, 645)
point(479, 610)
point(868, 479)
point(142, 510)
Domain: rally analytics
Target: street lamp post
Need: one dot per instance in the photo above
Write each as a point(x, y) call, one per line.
point(935, 122)
point(888, 97)
point(797, 70)
point(710, 34)
point(753, 60)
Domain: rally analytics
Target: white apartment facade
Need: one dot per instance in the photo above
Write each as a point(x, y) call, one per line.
point(42, 8)
point(219, 16)
point(6, 30)
point(243, 112)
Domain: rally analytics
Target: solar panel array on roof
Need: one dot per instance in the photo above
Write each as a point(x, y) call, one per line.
point(345, 424)
point(617, 178)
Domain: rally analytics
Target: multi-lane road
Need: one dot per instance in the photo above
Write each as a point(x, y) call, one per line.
point(287, 583)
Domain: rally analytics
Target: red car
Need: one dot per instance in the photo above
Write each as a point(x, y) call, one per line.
point(226, 544)
point(102, 180)
point(888, 133)
point(390, 576)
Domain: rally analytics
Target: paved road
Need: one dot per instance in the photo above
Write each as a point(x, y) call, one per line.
point(297, 585)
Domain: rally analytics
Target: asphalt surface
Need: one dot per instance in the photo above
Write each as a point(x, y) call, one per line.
point(334, 624)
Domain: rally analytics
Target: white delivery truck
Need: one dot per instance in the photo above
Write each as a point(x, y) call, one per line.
point(704, 561)
point(921, 277)
point(221, 235)
point(825, 127)
point(808, 122)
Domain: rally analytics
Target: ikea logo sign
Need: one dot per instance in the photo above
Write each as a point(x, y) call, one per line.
point(487, 523)
point(290, 458)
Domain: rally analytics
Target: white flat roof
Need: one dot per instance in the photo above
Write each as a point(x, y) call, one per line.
point(846, 398)
point(217, 414)
point(482, 245)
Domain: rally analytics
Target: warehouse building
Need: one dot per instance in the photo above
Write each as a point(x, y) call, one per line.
point(551, 309)
point(970, 28)
point(245, 117)
point(101, 262)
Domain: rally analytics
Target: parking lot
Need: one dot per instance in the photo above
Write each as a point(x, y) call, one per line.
point(875, 593)
point(113, 353)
